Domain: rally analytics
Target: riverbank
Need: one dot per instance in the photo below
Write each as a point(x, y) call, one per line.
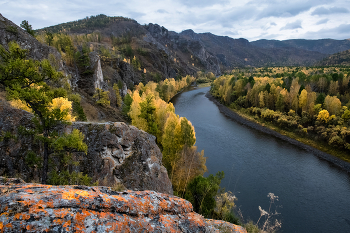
point(244, 121)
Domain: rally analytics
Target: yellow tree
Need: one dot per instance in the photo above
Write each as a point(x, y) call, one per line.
point(303, 100)
point(323, 116)
point(332, 104)
point(135, 111)
point(171, 142)
point(261, 100)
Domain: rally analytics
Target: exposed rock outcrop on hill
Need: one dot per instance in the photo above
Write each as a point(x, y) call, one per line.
point(117, 153)
point(39, 208)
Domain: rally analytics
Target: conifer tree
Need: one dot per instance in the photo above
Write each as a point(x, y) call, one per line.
point(25, 81)
point(25, 25)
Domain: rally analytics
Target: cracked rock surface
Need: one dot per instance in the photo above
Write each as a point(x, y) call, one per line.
point(43, 208)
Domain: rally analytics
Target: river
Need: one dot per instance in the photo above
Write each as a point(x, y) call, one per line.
point(314, 195)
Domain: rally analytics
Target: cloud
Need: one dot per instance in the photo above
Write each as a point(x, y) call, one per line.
point(329, 11)
point(285, 9)
point(322, 21)
point(340, 32)
point(162, 11)
point(203, 3)
point(291, 26)
point(252, 19)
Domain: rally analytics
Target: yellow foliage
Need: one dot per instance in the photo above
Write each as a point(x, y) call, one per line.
point(303, 100)
point(64, 105)
point(20, 105)
point(323, 116)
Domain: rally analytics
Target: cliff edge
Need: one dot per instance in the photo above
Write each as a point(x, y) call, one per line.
point(42, 208)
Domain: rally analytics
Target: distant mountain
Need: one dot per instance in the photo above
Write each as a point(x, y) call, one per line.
point(171, 54)
point(325, 46)
point(241, 53)
point(338, 59)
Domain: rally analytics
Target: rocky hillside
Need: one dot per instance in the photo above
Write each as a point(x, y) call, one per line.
point(117, 154)
point(80, 83)
point(169, 53)
point(338, 59)
point(42, 208)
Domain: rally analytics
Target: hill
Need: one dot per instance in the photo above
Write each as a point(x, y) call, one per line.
point(170, 54)
point(338, 59)
point(324, 46)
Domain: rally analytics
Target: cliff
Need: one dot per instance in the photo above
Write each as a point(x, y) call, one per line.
point(42, 208)
point(117, 153)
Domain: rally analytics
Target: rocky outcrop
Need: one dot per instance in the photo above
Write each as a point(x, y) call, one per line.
point(117, 153)
point(41, 208)
point(11, 32)
point(187, 45)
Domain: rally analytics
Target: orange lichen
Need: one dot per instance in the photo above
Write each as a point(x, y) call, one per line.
point(71, 194)
point(124, 212)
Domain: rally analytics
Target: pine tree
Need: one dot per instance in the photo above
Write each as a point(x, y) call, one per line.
point(25, 25)
point(25, 81)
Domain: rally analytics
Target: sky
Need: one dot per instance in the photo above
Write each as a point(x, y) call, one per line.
point(253, 20)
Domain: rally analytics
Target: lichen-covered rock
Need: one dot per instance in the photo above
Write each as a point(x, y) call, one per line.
point(42, 208)
point(117, 153)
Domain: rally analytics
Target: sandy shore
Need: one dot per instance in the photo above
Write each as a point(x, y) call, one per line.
point(234, 116)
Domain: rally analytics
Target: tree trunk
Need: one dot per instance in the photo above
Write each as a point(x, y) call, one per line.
point(45, 163)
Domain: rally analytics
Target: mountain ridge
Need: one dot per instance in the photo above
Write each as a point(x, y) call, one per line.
point(206, 51)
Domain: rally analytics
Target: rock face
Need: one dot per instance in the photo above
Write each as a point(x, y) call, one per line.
point(117, 153)
point(41, 208)
point(11, 32)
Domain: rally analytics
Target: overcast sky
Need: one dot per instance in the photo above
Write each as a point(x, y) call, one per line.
point(253, 20)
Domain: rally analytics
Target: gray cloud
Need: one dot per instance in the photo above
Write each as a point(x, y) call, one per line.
point(162, 11)
point(293, 25)
point(340, 32)
point(286, 8)
point(322, 21)
point(252, 20)
point(332, 10)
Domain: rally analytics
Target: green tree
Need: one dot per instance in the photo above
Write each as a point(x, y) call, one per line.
point(102, 97)
point(127, 105)
point(25, 80)
point(188, 134)
point(119, 99)
point(201, 193)
point(25, 25)
point(148, 113)
point(49, 38)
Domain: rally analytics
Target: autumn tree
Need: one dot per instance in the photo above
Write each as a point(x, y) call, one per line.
point(26, 80)
point(323, 116)
point(332, 104)
point(102, 97)
point(147, 112)
point(303, 100)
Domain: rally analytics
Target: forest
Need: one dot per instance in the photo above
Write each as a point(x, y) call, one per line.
point(308, 102)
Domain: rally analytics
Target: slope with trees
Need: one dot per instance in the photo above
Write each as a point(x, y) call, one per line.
point(312, 103)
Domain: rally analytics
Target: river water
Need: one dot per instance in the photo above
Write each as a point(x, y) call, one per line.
point(314, 195)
